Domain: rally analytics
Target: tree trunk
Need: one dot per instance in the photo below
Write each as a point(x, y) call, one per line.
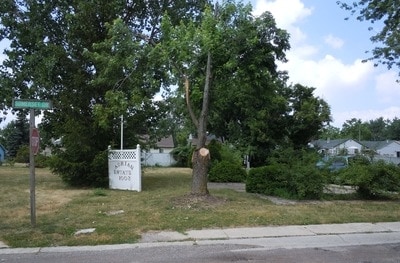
point(201, 163)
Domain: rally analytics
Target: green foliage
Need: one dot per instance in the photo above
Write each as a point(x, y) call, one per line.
point(373, 180)
point(225, 171)
point(215, 149)
point(308, 115)
point(229, 153)
point(41, 161)
point(387, 50)
point(16, 134)
point(183, 155)
point(22, 155)
point(94, 66)
point(290, 174)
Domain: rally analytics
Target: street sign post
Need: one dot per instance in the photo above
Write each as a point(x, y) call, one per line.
point(31, 104)
point(33, 143)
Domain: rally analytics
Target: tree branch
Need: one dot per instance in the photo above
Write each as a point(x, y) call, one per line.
point(188, 104)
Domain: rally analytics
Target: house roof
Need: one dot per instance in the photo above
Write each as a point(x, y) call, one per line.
point(2, 147)
point(377, 145)
point(328, 144)
point(374, 145)
point(166, 142)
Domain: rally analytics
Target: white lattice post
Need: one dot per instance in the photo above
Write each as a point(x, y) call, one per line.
point(139, 166)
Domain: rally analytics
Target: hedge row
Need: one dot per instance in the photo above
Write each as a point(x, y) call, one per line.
point(286, 181)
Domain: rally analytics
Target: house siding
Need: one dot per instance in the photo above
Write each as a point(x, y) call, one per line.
point(390, 150)
point(2, 153)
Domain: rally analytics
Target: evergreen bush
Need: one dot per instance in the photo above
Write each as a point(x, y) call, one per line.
point(22, 155)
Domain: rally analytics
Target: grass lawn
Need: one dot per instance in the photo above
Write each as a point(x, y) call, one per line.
point(162, 205)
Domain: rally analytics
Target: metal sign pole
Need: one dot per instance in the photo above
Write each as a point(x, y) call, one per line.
point(32, 168)
point(122, 132)
point(32, 105)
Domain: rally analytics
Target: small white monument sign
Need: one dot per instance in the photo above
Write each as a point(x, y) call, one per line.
point(124, 170)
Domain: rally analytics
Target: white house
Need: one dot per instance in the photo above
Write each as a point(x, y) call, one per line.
point(388, 150)
point(384, 148)
point(160, 154)
point(337, 147)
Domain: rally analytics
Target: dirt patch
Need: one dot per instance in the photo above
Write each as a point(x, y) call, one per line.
point(199, 202)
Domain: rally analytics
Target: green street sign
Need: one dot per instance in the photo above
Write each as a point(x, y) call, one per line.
point(31, 104)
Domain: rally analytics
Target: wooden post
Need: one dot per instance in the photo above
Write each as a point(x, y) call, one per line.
point(32, 169)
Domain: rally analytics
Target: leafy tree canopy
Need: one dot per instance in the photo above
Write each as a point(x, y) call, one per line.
point(90, 59)
point(387, 38)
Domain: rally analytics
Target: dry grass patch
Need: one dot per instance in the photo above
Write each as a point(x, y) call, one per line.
point(164, 204)
point(49, 200)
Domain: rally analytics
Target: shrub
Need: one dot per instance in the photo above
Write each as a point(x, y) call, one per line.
point(22, 155)
point(215, 151)
point(93, 174)
point(373, 180)
point(290, 174)
point(41, 161)
point(226, 172)
point(183, 155)
point(267, 180)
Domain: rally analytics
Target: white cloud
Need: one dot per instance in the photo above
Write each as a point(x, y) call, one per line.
point(366, 115)
point(333, 41)
point(329, 75)
point(388, 90)
point(286, 14)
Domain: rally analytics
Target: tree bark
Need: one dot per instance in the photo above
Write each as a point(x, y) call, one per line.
point(201, 163)
point(201, 156)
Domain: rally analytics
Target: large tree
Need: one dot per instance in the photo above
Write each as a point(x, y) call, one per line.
point(226, 66)
point(385, 14)
point(69, 52)
point(307, 115)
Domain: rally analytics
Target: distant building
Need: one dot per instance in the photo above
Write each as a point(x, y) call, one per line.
point(337, 147)
point(388, 150)
point(160, 153)
point(2, 153)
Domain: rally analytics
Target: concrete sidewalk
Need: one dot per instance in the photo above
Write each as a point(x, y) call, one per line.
point(271, 232)
point(271, 237)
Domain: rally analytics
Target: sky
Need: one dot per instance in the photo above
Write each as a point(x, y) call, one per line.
point(326, 53)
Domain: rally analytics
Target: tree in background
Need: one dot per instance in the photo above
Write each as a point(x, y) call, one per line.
point(307, 115)
point(16, 134)
point(329, 132)
point(356, 129)
point(394, 129)
point(387, 38)
point(379, 129)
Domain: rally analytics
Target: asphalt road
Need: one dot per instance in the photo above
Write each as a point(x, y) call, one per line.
point(216, 254)
point(365, 248)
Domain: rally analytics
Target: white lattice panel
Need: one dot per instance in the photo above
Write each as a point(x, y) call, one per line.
point(122, 155)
